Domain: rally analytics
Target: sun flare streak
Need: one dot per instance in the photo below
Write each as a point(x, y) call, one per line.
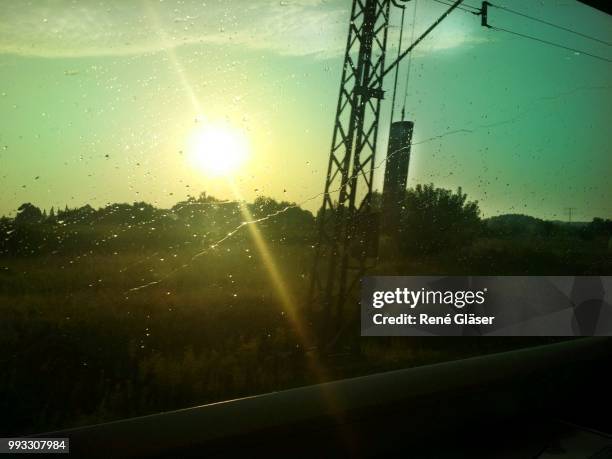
point(295, 316)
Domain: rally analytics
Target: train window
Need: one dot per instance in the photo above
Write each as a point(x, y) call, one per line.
point(193, 190)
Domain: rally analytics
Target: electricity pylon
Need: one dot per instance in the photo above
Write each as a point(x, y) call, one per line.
point(348, 228)
point(342, 251)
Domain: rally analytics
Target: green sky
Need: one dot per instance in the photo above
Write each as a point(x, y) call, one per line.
point(98, 99)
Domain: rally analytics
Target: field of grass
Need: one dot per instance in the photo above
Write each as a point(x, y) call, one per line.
point(102, 320)
point(80, 347)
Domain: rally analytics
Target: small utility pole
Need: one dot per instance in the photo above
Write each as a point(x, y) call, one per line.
point(569, 213)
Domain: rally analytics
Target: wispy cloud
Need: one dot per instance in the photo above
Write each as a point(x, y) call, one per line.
point(63, 28)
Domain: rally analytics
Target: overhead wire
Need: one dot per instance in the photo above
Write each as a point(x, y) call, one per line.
point(399, 50)
point(538, 39)
point(474, 10)
point(518, 13)
point(477, 11)
point(550, 43)
point(409, 65)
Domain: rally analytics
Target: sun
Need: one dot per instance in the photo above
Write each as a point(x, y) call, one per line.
point(218, 150)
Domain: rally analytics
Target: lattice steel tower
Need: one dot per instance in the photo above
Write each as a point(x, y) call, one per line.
point(347, 226)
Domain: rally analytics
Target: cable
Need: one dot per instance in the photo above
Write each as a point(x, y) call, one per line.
point(414, 10)
point(550, 24)
point(420, 39)
point(474, 10)
point(463, 7)
point(552, 44)
point(399, 50)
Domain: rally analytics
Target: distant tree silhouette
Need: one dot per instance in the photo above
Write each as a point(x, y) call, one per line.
point(82, 214)
point(434, 220)
point(283, 220)
point(205, 197)
point(28, 213)
point(598, 228)
point(516, 225)
point(200, 210)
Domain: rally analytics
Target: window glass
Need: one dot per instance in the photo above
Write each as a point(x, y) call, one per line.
point(163, 167)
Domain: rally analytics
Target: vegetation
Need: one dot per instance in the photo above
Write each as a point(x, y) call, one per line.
point(130, 309)
point(434, 220)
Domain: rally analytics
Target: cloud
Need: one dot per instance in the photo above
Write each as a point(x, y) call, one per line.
point(67, 29)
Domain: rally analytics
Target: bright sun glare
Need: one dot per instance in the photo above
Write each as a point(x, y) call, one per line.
point(218, 149)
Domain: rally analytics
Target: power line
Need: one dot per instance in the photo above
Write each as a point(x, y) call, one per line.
point(557, 45)
point(474, 10)
point(399, 51)
point(549, 24)
point(414, 12)
point(463, 7)
point(421, 38)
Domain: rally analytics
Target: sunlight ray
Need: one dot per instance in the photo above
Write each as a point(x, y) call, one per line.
point(298, 321)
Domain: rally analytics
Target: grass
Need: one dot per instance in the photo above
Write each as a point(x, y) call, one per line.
point(80, 346)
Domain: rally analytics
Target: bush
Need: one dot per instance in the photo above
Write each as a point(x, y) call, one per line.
point(435, 220)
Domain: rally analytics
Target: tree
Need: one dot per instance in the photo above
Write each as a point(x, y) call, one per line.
point(433, 220)
point(28, 213)
point(282, 220)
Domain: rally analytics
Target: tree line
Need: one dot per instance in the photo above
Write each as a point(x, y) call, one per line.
point(431, 220)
